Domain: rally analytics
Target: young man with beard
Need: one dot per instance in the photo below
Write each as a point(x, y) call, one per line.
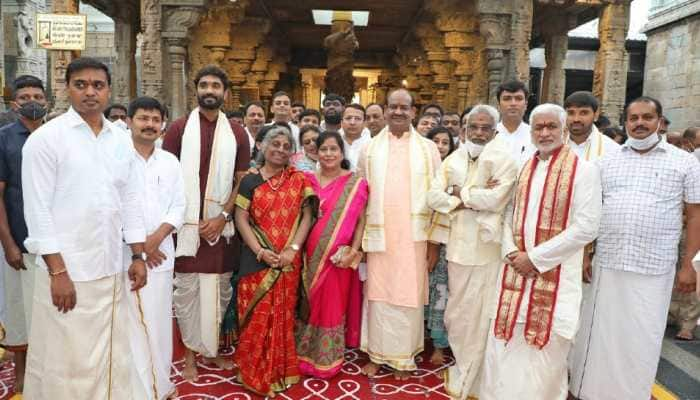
point(150, 309)
point(29, 102)
point(333, 107)
point(374, 120)
point(204, 252)
point(399, 164)
point(647, 184)
point(253, 120)
point(512, 103)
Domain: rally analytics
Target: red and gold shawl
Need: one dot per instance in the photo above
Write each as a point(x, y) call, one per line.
point(552, 218)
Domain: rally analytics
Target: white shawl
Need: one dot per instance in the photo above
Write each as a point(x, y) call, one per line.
point(422, 171)
point(219, 181)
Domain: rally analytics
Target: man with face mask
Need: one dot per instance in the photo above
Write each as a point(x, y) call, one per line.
point(29, 103)
point(214, 154)
point(646, 186)
point(333, 108)
point(470, 192)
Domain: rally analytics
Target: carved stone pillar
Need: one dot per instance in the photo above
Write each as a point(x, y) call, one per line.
point(554, 81)
point(340, 47)
point(60, 60)
point(177, 53)
point(30, 60)
point(124, 69)
point(521, 32)
point(495, 28)
point(151, 49)
point(610, 74)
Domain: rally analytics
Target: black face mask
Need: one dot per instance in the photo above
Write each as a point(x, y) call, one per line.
point(32, 111)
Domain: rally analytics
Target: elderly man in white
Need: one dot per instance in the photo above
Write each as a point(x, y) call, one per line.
point(555, 212)
point(470, 193)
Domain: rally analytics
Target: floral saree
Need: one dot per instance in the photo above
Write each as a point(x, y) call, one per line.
point(267, 297)
point(331, 296)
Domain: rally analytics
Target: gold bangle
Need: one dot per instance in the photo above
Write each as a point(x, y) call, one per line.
point(62, 271)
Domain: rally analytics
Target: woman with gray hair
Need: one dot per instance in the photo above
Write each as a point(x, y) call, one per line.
point(275, 209)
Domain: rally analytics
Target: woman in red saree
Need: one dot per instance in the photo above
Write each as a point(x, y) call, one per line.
point(274, 213)
point(332, 292)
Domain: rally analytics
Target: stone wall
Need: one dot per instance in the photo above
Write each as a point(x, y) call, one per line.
point(672, 72)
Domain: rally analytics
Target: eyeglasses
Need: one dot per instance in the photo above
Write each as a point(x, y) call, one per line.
point(482, 128)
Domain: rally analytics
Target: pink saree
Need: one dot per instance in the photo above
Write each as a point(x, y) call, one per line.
point(331, 301)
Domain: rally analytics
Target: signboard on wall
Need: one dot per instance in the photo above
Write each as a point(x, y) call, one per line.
point(61, 31)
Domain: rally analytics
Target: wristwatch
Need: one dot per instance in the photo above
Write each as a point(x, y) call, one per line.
point(228, 217)
point(139, 256)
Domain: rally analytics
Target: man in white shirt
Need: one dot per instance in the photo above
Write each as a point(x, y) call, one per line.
point(512, 103)
point(150, 309)
point(82, 196)
point(253, 120)
point(555, 212)
point(646, 186)
point(470, 192)
point(354, 133)
point(281, 110)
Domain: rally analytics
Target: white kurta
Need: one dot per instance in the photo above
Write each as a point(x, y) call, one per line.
point(352, 151)
point(81, 197)
point(519, 142)
point(508, 369)
point(150, 310)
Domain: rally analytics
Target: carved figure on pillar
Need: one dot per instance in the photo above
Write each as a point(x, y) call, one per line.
point(340, 46)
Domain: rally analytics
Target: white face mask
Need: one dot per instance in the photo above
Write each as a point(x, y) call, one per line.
point(473, 148)
point(644, 144)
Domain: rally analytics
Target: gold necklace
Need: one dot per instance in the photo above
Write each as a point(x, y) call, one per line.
point(279, 184)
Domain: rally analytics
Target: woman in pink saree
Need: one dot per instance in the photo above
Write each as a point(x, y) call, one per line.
point(331, 301)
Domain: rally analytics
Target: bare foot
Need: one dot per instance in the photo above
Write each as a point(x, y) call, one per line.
point(685, 334)
point(438, 357)
point(190, 371)
point(402, 375)
point(370, 369)
point(220, 362)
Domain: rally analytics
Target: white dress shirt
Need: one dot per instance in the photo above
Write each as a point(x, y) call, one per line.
point(164, 201)
point(644, 196)
point(520, 141)
point(82, 195)
point(352, 151)
point(251, 140)
point(565, 249)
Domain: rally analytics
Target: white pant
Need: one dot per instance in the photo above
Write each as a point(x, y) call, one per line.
point(17, 298)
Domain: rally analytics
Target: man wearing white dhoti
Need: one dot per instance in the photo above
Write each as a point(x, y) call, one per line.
point(399, 164)
point(150, 308)
point(646, 185)
point(555, 212)
point(81, 187)
point(469, 193)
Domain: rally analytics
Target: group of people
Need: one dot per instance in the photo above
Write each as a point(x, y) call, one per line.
point(543, 254)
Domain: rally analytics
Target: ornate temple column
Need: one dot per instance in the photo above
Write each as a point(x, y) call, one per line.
point(556, 42)
point(177, 22)
point(246, 36)
point(521, 33)
point(610, 74)
point(438, 59)
point(152, 49)
point(60, 60)
point(30, 60)
point(124, 69)
point(340, 46)
point(495, 28)
point(263, 56)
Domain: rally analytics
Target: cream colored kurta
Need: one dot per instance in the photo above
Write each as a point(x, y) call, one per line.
point(392, 328)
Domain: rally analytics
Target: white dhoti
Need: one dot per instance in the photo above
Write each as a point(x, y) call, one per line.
point(84, 353)
point(622, 329)
point(472, 292)
point(200, 302)
point(392, 335)
point(518, 370)
point(17, 296)
point(151, 336)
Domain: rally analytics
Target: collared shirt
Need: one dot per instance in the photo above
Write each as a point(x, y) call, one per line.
point(520, 141)
point(593, 149)
point(352, 151)
point(566, 248)
point(12, 139)
point(251, 140)
point(164, 201)
point(82, 195)
point(643, 201)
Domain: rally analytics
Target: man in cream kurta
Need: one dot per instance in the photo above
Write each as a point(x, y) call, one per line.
point(526, 354)
point(469, 193)
point(399, 165)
